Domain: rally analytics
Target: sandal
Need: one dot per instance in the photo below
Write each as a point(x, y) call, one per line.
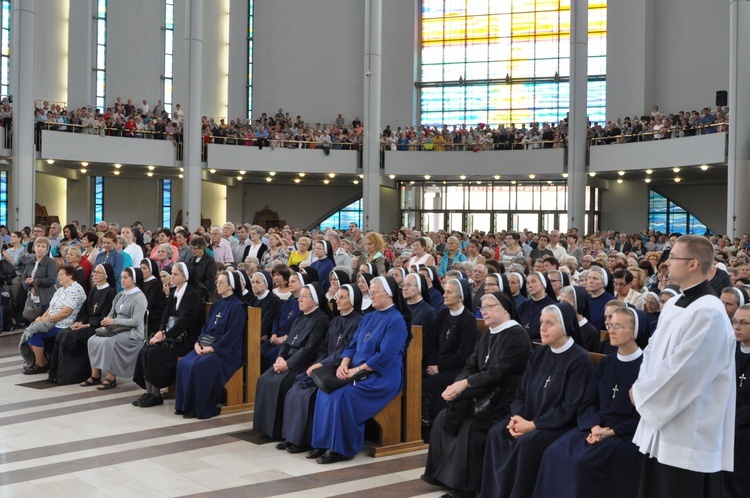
point(107, 384)
point(91, 381)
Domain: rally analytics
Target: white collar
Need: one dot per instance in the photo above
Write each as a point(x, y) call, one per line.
point(263, 296)
point(149, 279)
point(101, 287)
point(583, 322)
point(744, 349)
point(630, 357)
point(564, 347)
point(346, 314)
point(456, 313)
point(131, 291)
point(503, 326)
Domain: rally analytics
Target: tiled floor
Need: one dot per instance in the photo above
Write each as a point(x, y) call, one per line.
point(77, 442)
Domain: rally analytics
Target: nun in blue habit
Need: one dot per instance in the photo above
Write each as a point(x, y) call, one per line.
point(599, 453)
point(288, 313)
point(299, 404)
point(378, 347)
point(202, 373)
point(545, 408)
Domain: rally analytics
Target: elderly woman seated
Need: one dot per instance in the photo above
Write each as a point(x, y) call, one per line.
point(61, 314)
point(116, 350)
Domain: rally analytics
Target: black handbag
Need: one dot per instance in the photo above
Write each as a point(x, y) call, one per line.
point(111, 330)
point(325, 378)
point(206, 341)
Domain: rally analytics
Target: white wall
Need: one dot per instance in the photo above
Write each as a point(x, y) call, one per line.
point(51, 51)
point(130, 199)
point(80, 202)
point(214, 202)
point(400, 59)
point(80, 82)
point(135, 50)
point(625, 206)
point(215, 53)
point(51, 192)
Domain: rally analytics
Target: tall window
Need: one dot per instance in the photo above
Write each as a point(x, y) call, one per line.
point(250, 22)
point(168, 55)
point(5, 15)
point(166, 199)
point(101, 54)
point(340, 220)
point(4, 198)
point(98, 199)
point(503, 61)
point(666, 216)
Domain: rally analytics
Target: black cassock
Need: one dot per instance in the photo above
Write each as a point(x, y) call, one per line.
point(737, 483)
point(458, 437)
point(572, 467)
point(157, 302)
point(299, 350)
point(550, 395)
point(69, 363)
point(299, 404)
point(448, 346)
point(157, 364)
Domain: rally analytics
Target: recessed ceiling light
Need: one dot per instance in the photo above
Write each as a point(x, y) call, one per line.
point(565, 175)
point(50, 161)
point(182, 170)
point(677, 179)
point(242, 172)
point(268, 178)
point(463, 177)
point(361, 176)
point(649, 171)
point(118, 166)
point(648, 180)
point(621, 173)
point(150, 168)
point(326, 181)
point(117, 173)
point(84, 164)
point(411, 182)
point(619, 180)
point(83, 170)
point(592, 173)
point(356, 182)
point(150, 173)
point(549, 182)
point(497, 177)
point(676, 170)
point(239, 178)
point(532, 176)
point(513, 182)
point(392, 177)
point(179, 176)
point(704, 167)
point(296, 180)
point(427, 177)
point(302, 175)
point(272, 173)
point(331, 175)
point(212, 171)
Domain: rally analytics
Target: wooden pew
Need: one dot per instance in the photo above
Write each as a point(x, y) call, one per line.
point(595, 357)
point(240, 388)
point(400, 421)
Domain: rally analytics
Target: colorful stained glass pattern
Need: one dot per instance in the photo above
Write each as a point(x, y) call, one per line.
point(505, 61)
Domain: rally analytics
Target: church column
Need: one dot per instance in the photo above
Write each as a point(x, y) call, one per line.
point(579, 19)
point(191, 203)
point(738, 160)
point(372, 91)
point(23, 191)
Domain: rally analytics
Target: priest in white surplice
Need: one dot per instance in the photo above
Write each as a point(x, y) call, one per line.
point(685, 392)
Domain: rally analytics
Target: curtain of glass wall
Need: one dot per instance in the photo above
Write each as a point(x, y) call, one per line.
point(4, 198)
point(250, 23)
point(491, 206)
point(505, 61)
point(5, 15)
point(667, 217)
point(100, 71)
point(167, 77)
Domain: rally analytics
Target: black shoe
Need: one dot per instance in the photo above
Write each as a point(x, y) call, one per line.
point(293, 448)
point(179, 412)
point(140, 400)
point(36, 369)
point(283, 445)
point(312, 455)
point(331, 457)
point(52, 380)
point(188, 415)
point(151, 401)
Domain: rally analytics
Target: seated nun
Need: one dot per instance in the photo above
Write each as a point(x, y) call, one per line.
point(435, 287)
point(363, 282)
point(517, 284)
point(323, 262)
point(289, 312)
point(268, 302)
point(737, 483)
point(153, 289)
point(446, 350)
point(576, 296)
point(599, 453)
point(417, 296)
point(299, 405)
point(216, 355)
point(376, 353)
point(541, 295)
point(296, 354)
point(545, 408)
point(600, 287)
point(478, 398)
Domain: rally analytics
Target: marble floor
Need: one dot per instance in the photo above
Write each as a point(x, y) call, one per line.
point(79, 442)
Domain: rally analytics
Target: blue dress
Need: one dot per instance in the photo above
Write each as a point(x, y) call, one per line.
point(289, 313)
point(324, 267)
point(201, 378)
point(380, 341)
point(597, 309)
point(571, 467)
point(436, 298)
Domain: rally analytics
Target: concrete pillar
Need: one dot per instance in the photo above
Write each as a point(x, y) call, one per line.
point(738, 161)
point(191, 200)
point(577, 122)
point(81, 36)
point(23, 192)
point(372, 94)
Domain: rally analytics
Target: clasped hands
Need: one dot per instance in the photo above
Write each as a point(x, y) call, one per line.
point(598, 433)
point(518, 426)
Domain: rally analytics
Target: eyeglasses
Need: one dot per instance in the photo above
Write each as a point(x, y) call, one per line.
point(741, 323)
point(485, 309)
point(409, 285)
point(618, 327)
point(679, 259)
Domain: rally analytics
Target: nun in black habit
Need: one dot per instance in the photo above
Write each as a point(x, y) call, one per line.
point(263, 298)
point(363, 282)
point(299, 404)
point(153, 289)
point(296, 354)
point(479, 397)
point(541, 295)
point(576, 296)
point(417, 296)
point(435, 287)
point(69, 363)
point(545, 408)
point(448, 347)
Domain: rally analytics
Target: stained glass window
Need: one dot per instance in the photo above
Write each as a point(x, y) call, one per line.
point(666, 216)
point(100, 71)
point(168, 55)
point(505, 61)
point(340, 220)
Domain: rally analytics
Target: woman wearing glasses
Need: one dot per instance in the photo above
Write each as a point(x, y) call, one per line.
point(478, 398)
point(599, 453)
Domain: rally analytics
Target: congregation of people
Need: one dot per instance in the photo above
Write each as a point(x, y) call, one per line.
point(512, 404)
